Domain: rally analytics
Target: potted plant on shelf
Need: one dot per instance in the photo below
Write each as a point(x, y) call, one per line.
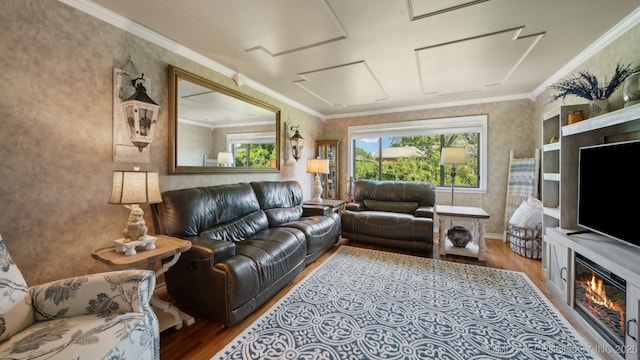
point(587, 86)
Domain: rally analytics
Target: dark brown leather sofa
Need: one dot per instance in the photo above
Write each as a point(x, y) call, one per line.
point(391, 213)
point(249, 240)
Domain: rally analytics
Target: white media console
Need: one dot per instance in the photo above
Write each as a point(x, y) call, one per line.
point(620, 258)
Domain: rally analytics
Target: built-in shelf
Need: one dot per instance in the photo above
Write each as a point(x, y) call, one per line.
point(551, 147)
point(617, 117)
point(560, 198)
point(554, 212)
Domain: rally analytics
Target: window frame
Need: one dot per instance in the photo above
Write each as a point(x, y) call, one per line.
point(437, 126)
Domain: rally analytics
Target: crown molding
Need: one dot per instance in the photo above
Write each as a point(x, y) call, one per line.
point(125, 24)
point(432, 106)
point(620, 28)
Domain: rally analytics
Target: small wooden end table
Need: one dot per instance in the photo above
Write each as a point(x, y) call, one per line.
point(334, 205)
point(476, 216)
point(166, 246)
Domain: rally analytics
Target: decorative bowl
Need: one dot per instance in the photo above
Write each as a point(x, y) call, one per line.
point(459, 236)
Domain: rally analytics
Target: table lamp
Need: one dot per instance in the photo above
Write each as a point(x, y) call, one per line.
point(132, 188)
point(317, 166)
point(453, 156)
point(225, 159)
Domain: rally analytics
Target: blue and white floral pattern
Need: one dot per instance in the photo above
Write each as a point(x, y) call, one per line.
point(367, 304)
point(97, 316)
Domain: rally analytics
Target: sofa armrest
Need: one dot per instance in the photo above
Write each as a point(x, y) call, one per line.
point(108, 293)
point(310, 210)
point(424, 211)
point(203, 248)
point(354, 206)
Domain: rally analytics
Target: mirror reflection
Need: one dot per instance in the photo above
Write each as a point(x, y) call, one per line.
point(217, 129)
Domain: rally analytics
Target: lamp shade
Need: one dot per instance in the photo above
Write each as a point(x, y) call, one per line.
point(453, 156)
point(135, 187)
point(318, 166)
point(225, 158)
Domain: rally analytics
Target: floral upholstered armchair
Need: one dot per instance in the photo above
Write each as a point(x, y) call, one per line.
point(97, 316)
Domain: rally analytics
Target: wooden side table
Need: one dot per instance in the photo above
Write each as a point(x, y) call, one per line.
point(476, 216)
point(334, 205)
point(166, 246)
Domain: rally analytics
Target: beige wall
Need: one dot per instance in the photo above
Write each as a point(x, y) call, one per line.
point(625, 49)
point(56, 134)
point(511, 126)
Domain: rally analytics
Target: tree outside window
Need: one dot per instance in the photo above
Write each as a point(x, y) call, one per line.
point(416, 158)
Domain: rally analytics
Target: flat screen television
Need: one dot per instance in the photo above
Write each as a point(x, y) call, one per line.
point(609, 190)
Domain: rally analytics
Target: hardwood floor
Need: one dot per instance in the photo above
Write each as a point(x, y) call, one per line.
point(205, 338)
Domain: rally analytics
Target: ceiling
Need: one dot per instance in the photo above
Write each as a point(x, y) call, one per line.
point(346, 57)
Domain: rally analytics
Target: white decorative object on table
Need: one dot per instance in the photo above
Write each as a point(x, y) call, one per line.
point(129, 247)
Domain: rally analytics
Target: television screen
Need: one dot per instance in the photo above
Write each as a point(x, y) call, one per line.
point(609, 190)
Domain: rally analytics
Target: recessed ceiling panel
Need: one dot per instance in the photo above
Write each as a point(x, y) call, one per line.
point(419, 9)
point(206, 107)
point(473, 64)
point(275, 27)
point(275, 42)
point(345, 85)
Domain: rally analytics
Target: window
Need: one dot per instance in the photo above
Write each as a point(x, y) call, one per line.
point(256, 150)
point(411, 151)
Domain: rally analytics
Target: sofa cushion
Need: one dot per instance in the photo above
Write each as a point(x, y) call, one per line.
point(283, 215)
point(188, 212)
point(15, 310)
point(280, 200)
point(397, 226)
point(319, 231)
point(240, 229)
point(407, 207)
point(261, 261)
point(419, 191)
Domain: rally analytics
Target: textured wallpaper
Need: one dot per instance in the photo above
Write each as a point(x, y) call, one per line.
point(56, 134)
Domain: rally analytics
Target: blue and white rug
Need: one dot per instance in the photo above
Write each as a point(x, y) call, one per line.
point(369, 304)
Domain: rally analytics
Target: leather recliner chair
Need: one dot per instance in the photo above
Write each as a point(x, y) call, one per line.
point(391, 213)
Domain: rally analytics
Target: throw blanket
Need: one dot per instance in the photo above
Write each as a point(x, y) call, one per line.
point(522, 183)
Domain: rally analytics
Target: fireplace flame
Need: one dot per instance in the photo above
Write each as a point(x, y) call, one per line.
point(597, 294)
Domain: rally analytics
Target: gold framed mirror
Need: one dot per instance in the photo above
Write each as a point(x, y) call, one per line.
point(215, 129)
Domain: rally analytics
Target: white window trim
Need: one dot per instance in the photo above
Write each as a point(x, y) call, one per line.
point(268, 137)
point(461, 124)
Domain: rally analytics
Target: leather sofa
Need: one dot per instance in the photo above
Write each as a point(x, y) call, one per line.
point(249, 240)
point(397, 214)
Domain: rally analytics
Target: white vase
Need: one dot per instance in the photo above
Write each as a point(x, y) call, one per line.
point(598, 107)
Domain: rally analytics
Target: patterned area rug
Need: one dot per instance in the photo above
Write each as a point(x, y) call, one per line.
point(369, 304)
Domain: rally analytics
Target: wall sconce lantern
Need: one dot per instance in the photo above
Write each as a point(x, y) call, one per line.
point(297, 143)
point(141, 114)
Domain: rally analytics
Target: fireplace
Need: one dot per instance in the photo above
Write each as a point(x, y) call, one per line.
point(600, 298)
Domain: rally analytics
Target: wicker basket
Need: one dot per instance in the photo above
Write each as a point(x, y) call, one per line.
point(526, 242)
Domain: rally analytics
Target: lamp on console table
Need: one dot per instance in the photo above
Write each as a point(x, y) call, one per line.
point(132, 188)
point(453, 156)
point(317, 166)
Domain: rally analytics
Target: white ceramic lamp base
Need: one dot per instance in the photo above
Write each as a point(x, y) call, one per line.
point(317, 189)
